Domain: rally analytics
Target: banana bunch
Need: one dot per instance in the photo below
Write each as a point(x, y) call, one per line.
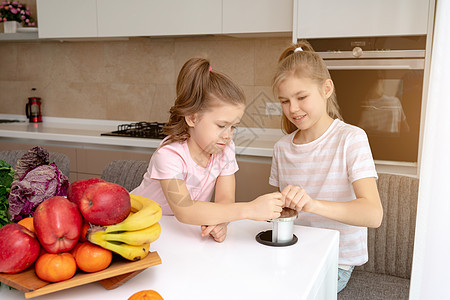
point(131, 238)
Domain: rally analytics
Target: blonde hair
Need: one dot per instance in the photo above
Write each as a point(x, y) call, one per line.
point(198, 89)
point(300, 60)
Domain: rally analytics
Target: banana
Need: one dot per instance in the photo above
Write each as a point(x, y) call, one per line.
point(135, 237)
point(131, 238)
point(148, 212)
point(130, 252)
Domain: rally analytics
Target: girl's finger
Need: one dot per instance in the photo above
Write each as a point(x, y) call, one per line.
point(219, 232)
point(292, 197)
point(303, 198)
point(208, 230)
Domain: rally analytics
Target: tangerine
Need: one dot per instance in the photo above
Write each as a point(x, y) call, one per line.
point(75, 249)
point(146, 295)
point(28, 223)
point(92, 258)
point(55, 267)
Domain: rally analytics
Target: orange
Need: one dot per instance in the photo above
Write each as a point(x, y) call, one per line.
point(75, 249)
point(92, 258)
point(146, 295)
point(55, 267)
point(28, 223)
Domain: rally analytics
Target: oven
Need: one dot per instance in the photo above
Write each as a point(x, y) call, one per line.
point(379, 83)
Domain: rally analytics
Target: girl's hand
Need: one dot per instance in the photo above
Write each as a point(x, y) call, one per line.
point(217, 232)
point(296, 198)
point(266, 207)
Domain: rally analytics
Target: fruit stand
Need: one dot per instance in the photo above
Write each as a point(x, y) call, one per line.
point(119, 272)
point(55, 235)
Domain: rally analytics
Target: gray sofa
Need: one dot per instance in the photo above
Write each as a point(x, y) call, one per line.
point(127, 173)
point(387, 273)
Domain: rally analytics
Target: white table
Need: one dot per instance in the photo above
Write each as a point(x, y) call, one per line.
point(239, 268)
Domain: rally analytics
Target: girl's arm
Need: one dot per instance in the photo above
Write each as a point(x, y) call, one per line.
point(366, 210)
point(224, 193)
point(225, 189)
point(194, 212)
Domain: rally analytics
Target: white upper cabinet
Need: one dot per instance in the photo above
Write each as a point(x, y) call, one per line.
point(156, 17)
point(360, 18)
point(67, 18)
point(119, 18)
point(254, 16)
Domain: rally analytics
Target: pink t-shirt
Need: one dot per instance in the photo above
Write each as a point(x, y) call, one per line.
point(326, 168)
point(174, 161)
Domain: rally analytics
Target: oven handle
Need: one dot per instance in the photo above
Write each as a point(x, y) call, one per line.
point(376, 64)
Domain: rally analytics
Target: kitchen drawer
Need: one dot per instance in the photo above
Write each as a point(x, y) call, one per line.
point(252, 179)
point(92, 161)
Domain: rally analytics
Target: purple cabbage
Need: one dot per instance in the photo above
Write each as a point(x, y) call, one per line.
point(34, 157)
point(33, 187)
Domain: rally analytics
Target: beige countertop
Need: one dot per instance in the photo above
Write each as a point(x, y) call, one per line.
point(249, 141)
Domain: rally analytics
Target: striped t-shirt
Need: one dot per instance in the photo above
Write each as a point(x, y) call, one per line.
point(326, 168)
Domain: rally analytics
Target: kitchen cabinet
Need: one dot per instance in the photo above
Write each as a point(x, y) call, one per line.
point(153, 17)
point(85, 163)
point(359, 18)
point(252, 179)
point(67, 18)
point(255, 16)
point(91, 162)
point(116, 18)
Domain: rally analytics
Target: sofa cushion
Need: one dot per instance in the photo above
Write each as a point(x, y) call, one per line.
point(391, 245)
point(127, 173)
point(367, 285)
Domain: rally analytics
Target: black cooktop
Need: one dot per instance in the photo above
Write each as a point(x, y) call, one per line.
point(150, 130)
point(10, 121)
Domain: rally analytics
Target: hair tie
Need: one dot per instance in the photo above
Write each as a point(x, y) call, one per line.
point(298, 49)
point(210, 68)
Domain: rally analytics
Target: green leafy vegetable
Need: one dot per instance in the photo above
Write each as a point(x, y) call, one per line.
point(6, 174)
point(4, 216)
point(6, 178)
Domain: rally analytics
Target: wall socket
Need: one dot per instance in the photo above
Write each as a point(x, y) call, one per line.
point(273, 109)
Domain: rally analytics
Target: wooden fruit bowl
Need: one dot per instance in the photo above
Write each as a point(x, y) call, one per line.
point(119, 272)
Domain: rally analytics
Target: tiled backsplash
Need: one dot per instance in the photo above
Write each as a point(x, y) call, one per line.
point(131, 79)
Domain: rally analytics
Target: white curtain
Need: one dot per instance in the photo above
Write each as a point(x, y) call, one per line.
point(431, 266)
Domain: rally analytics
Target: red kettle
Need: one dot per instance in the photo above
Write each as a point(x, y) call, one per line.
point(33, 109)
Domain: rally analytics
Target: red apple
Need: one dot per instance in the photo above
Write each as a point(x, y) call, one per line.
point(105, 203)
point(19, 248)
point(57, 222)
point(77, 188)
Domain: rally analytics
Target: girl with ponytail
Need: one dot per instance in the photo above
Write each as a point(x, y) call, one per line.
point(323, 166)
point(197, 158)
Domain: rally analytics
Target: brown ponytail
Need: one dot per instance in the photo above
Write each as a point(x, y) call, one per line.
point(303, 62)
point(198, 86)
